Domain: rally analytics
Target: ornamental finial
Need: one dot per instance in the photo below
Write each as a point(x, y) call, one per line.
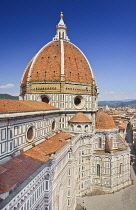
point(61, 30)
point(61, 15)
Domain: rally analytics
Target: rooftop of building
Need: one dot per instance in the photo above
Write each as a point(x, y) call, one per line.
point(49, 147)
point(104, 121)
point(17, 170)
point(80, 117)
point(120, 145)
point(8, 105)
point(123, 125)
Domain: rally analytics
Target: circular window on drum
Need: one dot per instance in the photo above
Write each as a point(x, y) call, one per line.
point(79, 102)
point(45, 99)
point(30, 133)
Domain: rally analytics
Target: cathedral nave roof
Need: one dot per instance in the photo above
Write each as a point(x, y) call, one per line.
point(17, 170)
point(8, 105)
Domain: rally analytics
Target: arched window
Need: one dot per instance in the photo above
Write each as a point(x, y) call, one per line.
point(79, 128)
point(100, 142)
point(98, 169)
point(68, 202)
point(86, 128)
point(63, 35)
point(53, 125)
point(72, 127)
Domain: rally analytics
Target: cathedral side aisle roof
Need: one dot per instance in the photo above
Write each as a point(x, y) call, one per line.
point(17, 170)
point(14, 172)
point(50, 146)
point(8, 105)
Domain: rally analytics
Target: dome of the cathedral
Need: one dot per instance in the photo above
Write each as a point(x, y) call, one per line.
point(46, 64)
point(59, 66)
point(104, 121)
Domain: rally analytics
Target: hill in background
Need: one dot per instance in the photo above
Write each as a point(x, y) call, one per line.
point(131, 103)
point(118, 103)
point(7, 96)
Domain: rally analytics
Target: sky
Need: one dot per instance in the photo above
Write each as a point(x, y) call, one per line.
point(105, 30)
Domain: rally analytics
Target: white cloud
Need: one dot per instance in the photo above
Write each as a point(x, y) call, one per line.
point(7, 86)
point(112, 95)
point(112, 92)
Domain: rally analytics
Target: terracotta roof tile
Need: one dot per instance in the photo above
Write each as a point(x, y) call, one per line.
point(104, 121)
point(16, 160)
point(17, 173)
point(123, 125)
point(74, 60)
point(80, 117)
point(103, 151)
point(2, 169)
point(124, 120)
point(50, 146)
point(47, 64)
point(8, 105)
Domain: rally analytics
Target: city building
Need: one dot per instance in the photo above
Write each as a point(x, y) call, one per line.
point(133, 127)
point(55, 145)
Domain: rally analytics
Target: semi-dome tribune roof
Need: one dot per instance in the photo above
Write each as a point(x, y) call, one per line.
point(104, 121)
point(80, 117)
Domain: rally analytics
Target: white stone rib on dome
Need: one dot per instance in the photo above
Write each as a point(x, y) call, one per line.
point(26, 69)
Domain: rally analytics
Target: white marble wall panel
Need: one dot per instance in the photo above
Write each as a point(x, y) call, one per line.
point(13, 136)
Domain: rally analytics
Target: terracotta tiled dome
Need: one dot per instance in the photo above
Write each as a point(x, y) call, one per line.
point(104, 121)
point(58, 67)
point(46, 65)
